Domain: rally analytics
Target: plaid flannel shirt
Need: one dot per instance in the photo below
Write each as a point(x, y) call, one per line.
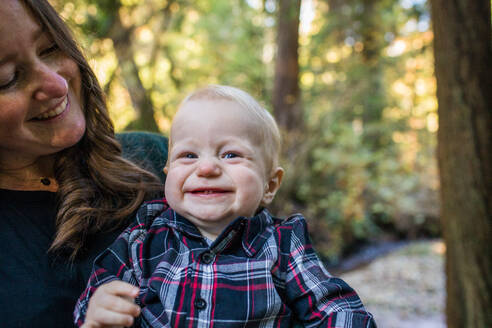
point(260, 272)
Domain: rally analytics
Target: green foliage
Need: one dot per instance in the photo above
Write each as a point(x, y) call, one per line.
point(177, 46)
point(370, 169)
point(365, 166)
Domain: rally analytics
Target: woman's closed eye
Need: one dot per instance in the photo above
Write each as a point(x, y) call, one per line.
point(10, 82)
point(14, 77)
point(49, 50)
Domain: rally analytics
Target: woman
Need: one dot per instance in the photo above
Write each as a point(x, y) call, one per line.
point(65, 190)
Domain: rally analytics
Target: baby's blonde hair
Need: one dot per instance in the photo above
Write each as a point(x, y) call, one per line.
point(268, 132)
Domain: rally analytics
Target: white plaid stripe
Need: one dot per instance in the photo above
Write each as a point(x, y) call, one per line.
point(261, 279)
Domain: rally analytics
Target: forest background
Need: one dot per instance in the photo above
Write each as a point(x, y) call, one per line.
point(361, 145)
point(355, 86)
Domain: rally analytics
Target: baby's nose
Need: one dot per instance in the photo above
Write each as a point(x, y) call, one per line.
point(208, 167)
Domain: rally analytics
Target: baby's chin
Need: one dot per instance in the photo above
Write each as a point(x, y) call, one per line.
point(212, 218)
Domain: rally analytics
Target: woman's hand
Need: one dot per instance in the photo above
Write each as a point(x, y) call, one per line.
point(112, 306)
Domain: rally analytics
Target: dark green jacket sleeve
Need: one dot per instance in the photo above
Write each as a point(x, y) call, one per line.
point(147, 150)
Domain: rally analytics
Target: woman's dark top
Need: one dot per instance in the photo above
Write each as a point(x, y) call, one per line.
point(38, 288)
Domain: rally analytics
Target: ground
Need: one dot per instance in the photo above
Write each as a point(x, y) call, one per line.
point(406, 288)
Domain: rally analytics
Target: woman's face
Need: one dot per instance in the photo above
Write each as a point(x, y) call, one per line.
point(40, 91)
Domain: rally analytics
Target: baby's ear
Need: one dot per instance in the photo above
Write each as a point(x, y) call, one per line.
point(272, 186)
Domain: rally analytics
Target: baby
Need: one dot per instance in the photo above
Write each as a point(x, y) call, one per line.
point(211, 255)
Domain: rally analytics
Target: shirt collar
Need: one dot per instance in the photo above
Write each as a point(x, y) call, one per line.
point(180, 223)
point(253, 231)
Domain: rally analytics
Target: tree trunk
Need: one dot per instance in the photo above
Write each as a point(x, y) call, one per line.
point(372, 93)
point(463, 67)
point(286, 100)
point(286, 92)
point(141, 100)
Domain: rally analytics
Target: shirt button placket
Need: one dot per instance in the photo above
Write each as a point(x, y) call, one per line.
point(207, 257)
point(200, 304)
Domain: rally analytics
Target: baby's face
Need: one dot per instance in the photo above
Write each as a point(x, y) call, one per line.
point(217, 167)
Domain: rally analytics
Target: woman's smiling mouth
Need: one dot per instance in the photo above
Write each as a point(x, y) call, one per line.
point(53, 112)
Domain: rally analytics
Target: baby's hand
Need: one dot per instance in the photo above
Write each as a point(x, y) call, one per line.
point(112, 306)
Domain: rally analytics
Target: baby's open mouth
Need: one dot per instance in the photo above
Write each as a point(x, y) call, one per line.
point(209, 191)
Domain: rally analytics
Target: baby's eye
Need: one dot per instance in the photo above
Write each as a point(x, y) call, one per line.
point(231, 155)
point(188, 155)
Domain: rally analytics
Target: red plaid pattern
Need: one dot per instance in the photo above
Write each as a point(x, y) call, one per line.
point(260, 272)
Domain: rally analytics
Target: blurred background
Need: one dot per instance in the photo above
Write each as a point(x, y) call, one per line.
point(352, 85)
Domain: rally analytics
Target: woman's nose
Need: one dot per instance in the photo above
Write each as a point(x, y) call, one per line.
point(208, 167)
point(51, 84)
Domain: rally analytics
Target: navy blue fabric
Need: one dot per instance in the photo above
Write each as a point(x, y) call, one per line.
point(259, 272)
point(40, 289)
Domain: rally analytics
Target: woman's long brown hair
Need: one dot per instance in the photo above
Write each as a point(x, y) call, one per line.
point(98, 188)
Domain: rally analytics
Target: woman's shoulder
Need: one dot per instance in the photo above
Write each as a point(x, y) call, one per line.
point(146, 149)
point(141, 138)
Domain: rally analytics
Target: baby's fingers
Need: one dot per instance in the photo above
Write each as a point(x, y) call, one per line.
point(105, 317)
point(119, 288)
point(112, 305)
point(118, 304)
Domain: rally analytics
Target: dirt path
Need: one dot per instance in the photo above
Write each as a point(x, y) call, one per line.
point(404, 289)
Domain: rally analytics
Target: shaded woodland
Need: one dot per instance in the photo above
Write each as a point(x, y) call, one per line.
point(352, 85)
